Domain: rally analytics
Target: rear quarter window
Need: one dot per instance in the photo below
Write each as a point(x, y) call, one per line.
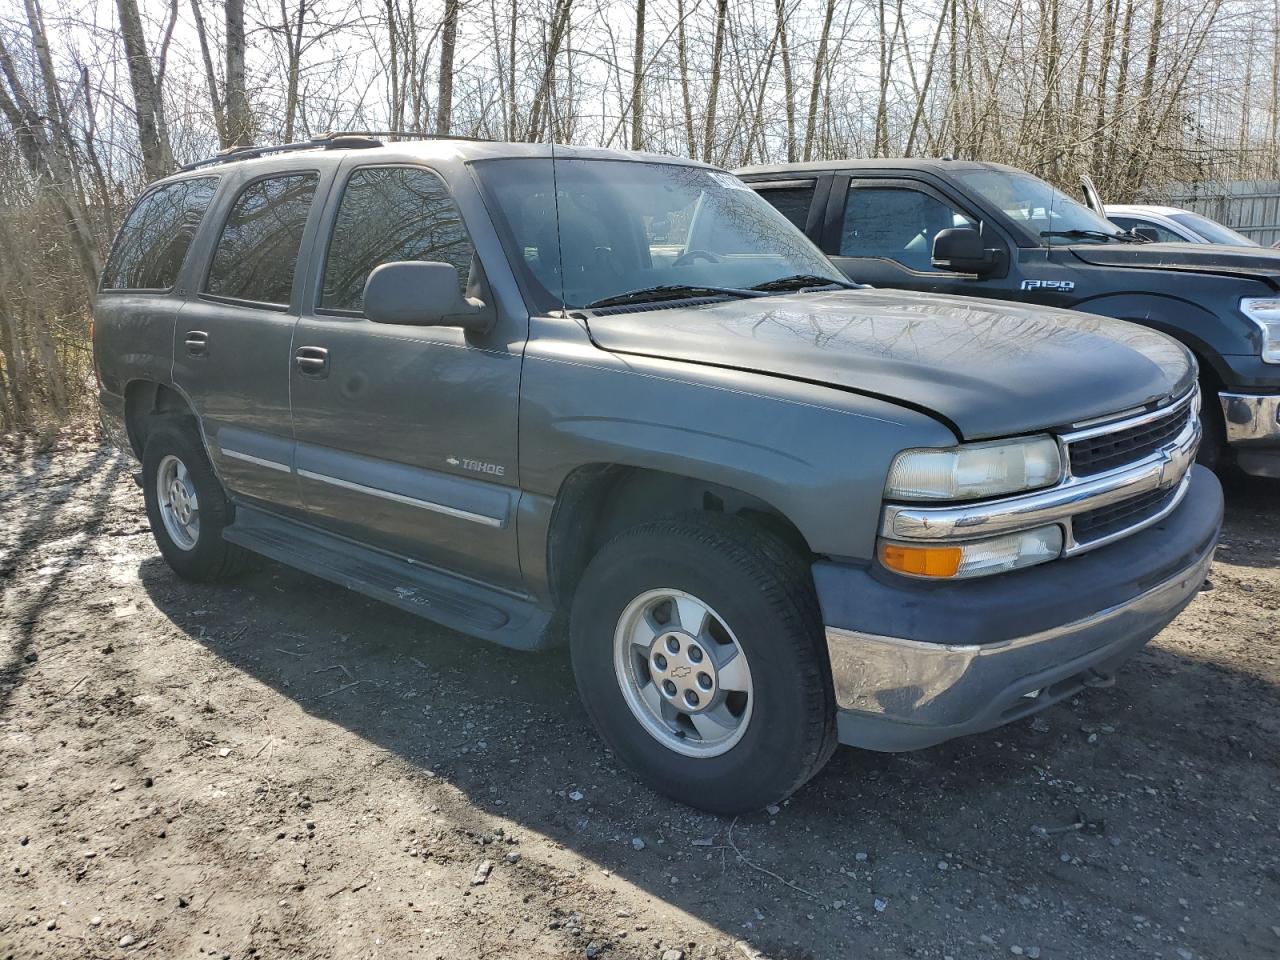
point(150, 249)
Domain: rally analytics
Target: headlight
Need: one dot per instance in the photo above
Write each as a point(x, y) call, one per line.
point(975, 558)
point(1265, 312)
point(974, 470)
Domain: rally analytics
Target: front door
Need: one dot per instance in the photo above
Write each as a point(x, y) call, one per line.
point(883, 235)
point(406, 435)
point(231, 343)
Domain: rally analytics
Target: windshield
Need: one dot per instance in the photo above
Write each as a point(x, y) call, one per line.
point(1039, 207)
point(628, 226)
point(1211, 230)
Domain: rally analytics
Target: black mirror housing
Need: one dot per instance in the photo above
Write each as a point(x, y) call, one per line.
point(960, 249)
point(1149, 234)
point(422, 293)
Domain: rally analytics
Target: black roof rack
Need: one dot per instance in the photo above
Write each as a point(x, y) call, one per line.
point(334, 140)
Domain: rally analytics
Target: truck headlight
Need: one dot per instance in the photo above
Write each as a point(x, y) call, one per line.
point(974, 470)
point(1265, 312)
point(974, 558)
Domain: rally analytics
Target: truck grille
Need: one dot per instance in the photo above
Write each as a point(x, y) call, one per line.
point(1093, 455)
point(1096, 524)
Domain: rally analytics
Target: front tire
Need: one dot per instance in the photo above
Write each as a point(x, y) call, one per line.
point(187, 506)
point(698, 652)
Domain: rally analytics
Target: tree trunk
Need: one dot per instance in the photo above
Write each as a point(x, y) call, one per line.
point(210, 78)
point(637, 81)
point(815, 89)
point(239, 123)
point(157, 157)
point(788, 81)
point(448, 41)
point(709, 128)
point(682, 56)
point(294, 38)
point(882, 98)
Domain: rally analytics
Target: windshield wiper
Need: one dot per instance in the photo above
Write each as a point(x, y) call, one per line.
point(1090, 235)
point(669, 291)
point(803, 281)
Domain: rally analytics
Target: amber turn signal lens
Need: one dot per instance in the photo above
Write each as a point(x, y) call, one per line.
point(921, 561)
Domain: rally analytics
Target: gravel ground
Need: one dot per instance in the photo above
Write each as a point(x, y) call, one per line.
point(280, 768)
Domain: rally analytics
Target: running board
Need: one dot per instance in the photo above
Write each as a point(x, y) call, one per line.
point(462, 605)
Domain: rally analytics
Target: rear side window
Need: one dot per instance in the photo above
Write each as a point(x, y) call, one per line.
point(389, 214)
point(792, 202)
point(258, 251)
point(156, 236)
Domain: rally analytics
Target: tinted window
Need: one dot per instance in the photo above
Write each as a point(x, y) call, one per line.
point(389, 214)
point(258, 249)
point(895, 223)
point(156, 235)
point(792, 202)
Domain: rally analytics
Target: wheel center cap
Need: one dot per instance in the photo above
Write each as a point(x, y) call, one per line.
point(683, 671)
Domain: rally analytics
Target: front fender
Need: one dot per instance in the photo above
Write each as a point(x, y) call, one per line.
point(816, 454)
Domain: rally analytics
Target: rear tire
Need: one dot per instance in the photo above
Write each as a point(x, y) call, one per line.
point(730, 711)
point(187, 506)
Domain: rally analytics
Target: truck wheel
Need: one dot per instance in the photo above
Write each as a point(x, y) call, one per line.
point(1214, 452)
point(187, 506)
point(697, 647)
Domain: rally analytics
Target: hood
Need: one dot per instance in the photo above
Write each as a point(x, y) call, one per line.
point(1256, 262)
point(989, 368)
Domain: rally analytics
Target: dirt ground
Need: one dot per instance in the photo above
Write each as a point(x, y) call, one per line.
point(280, 768)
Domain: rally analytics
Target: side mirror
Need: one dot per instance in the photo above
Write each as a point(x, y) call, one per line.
point(422, 294)
point(960, 249)
point(1149, 234)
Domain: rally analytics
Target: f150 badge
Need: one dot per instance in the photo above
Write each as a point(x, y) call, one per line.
point(478, 466)
point(1061, 286)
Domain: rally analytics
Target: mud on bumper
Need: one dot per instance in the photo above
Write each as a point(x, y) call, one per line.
point(914, 664)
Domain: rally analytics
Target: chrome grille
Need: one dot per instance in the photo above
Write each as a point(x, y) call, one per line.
point(1104, 522)
point(1099, 453)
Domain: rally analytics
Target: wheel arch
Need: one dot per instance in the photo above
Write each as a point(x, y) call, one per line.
point(597, 501)
point(145, 399)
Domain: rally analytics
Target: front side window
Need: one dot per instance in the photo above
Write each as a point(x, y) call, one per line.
point(258, 251)
point(156, 236)
point(388, 214)
point(896, 223)
point(583, 231)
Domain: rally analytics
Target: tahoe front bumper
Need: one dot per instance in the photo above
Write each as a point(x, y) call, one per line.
point(1253, 431)
point(915, 663)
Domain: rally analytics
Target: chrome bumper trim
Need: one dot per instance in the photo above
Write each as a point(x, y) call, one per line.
point(1251, 418)
point(900, 681)
point(1162, 470)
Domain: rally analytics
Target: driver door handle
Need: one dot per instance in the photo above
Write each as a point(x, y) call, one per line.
point(312, 361)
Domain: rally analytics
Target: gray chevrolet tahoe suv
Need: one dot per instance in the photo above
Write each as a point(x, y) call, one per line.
point(527, 391)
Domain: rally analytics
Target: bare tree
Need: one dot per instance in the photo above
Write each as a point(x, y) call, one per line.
point(448, 43)
point(239, 122)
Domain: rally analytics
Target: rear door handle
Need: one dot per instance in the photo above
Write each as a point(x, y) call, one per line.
point(312, 361)
point(197, 343)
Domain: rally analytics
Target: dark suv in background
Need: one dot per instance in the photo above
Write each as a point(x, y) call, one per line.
point(988, 230)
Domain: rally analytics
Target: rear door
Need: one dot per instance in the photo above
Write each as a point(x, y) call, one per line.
point(406, 435)
point(232, 346)
point(801, 200)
